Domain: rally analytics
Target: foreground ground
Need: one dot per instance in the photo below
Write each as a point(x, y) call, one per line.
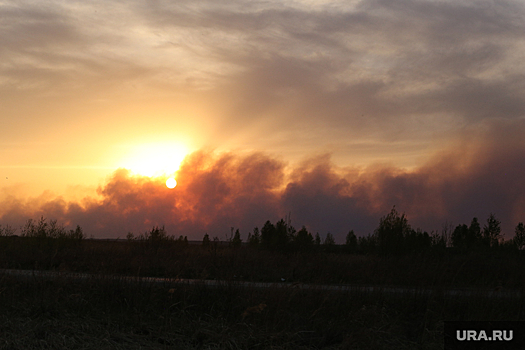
point(105, 313)
point(108, 313)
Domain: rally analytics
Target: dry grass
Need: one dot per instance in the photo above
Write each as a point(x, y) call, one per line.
point(119, 314)
point(483, 269)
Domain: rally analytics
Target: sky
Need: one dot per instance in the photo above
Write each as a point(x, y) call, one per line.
point(330, 112)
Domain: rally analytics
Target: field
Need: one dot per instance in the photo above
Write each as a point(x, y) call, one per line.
point(111, 313)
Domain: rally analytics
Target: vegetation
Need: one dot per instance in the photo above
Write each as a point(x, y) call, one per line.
point(105, 312)
point(118, 314)
point(394, 254)
point(102, 312)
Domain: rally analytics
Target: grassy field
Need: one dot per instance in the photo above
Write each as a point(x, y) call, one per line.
point(117, 314)
point(104, 313)
point(487, 269)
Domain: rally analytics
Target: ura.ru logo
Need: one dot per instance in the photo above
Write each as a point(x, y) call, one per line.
point(495, 335)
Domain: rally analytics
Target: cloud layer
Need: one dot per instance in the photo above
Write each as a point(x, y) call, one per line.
point(480, 173)
point(338, 73)
point(361, 81)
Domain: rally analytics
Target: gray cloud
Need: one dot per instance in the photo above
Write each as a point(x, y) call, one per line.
point(371, 70)
point(387, 60)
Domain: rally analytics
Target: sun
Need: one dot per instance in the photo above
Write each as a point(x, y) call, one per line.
point(155, 159)
point(171, 183)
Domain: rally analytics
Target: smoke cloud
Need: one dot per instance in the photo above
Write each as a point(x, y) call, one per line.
point(479, 173)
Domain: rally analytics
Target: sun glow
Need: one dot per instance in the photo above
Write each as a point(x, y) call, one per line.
point(159, 159)
point(171, 183)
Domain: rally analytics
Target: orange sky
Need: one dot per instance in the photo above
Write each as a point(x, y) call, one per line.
point(385, 93)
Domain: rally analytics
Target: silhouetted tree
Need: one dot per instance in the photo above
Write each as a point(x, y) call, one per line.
point(351, 242)
point(391, 233)
point(317, 239)
point(236, 241)
point(277, 237)
point(329, 240)
point(157, 234)
point(182, 240)
point(76, 234)
point(43, 230)
point(268, 234)
point(38, 230)
point(519, 236)
point(443, 240)
point(467, 237)
point(417, 241)
point(459, 236)
point(474, 233)
point(7, 231)
point(368, 244)
point(282, 235)
point(206, 240)
point(492, 231)
point(254, 240)
point(303, 239)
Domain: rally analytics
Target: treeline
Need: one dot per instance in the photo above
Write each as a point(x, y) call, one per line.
point(157, 234)
point(393, 236)
point(42, 229)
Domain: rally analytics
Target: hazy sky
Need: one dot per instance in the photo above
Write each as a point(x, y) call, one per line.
point(333, 111)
